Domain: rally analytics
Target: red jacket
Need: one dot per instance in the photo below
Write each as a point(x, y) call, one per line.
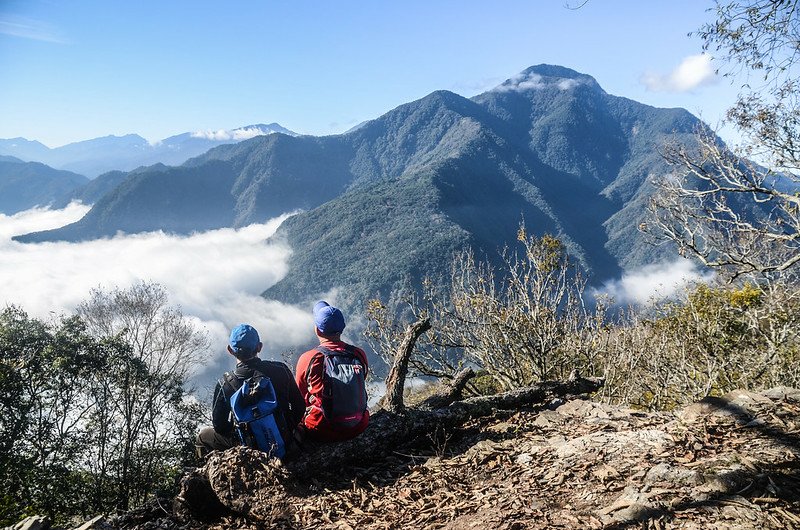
point(310, 369)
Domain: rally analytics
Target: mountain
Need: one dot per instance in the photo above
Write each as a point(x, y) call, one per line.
point(100, 155)
point(548, 146)
point(394, 197)
point(24, 185)
point(26, 150)
point(92, 191)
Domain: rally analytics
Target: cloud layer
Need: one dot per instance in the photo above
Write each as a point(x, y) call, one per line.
point(223, 135)
point(216, 277)
point(693, 72)
point(532, 81)
point(653, 282)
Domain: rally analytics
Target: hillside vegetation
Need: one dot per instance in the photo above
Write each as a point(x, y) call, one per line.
point(401, 192)
point(24, 185)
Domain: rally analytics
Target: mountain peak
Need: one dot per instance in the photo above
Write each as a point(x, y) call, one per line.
point(554, 70)
point(443, 96)
point(545, 76)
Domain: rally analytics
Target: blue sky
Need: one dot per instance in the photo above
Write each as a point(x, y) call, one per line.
point(87, 68)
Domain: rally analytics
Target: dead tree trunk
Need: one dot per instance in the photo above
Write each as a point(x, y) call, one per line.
point(396, 380)
point(389, 431)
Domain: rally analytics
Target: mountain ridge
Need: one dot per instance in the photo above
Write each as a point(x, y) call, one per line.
point(96, 156)
point(548, 147)
point(24, 185)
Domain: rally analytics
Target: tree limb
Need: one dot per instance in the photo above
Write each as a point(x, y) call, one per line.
point(396, 380)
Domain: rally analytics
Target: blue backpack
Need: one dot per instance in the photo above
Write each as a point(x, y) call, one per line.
point(255, 407)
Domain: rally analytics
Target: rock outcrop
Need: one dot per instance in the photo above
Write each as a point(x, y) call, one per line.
point(727, 462)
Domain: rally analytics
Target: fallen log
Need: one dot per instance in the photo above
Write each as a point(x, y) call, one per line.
point(450, 392)
point(389, 431)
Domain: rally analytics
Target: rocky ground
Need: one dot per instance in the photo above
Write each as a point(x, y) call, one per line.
point(731, 462)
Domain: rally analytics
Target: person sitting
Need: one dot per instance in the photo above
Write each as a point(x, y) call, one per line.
point(331, 379)
point(245, 345)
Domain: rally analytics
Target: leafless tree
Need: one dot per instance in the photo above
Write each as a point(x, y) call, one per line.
point(141, 395)
point(729, 213)
point(726, 211)
point(716, 339)
point(523, 323)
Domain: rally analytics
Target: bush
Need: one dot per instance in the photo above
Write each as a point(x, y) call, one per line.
point(718, 339)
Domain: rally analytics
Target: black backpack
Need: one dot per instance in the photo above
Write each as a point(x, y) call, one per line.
point(344, 395)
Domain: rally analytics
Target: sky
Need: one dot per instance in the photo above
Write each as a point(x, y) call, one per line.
point(83, 69)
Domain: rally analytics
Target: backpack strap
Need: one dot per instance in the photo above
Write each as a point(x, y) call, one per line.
point(228, 384)
point(348, 350)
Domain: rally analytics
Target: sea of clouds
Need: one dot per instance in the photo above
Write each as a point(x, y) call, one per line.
point(216, 277)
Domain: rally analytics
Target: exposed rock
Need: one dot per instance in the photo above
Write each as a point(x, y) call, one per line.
point(96, 523)
point(584, 465)
point(40, 522)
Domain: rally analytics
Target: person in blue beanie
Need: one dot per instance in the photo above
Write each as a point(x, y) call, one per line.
point(331, 379)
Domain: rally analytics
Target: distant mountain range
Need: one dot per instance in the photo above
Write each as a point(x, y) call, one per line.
point(99, 155)
point(24, 185)
point(393, 198)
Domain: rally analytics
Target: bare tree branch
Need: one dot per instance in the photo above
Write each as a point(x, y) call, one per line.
point(395, 382)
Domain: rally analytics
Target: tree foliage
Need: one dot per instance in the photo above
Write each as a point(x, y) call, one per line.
point(94, 414)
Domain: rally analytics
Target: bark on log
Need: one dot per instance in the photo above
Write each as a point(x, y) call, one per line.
point(396, 380)
point(450, 392)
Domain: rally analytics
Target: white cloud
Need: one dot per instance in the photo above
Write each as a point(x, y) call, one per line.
point(653, 282)
point(521, 83)
point(216, 277)
point(693, 72)
point(249, 132)
point(566, 84)
point(532, 81)
point(223, 135)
